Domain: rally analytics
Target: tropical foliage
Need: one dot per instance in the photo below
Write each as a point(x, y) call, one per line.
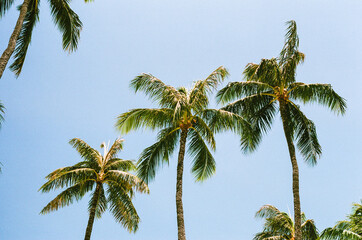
point(106, 176)
point(64, 17)
point(280, 226)
point(271, 85)
point(350, 229)
point(183, 115)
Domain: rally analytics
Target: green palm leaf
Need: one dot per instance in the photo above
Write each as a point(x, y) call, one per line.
point(203, 164)
point(68, 23)
point(144, 118)
point(152, 157)
point(23, 42)
point(122, 208)
point(65, 198)
point(4, 6)
point(305, 135)
point(85, 151)
point(320, 93)
point(165, 95)
point(235, 90)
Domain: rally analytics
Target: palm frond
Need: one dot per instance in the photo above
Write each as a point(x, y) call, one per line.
point(4, 6)
point(67, 177)
point(259, 109)
point(158, 91)
point(67, 197)
point(121, 177)
point(101, 206)
point(203, 163)
point(268, 72)
point(68, 23)
point(309, 230)
point(355, 218)
point(267, 211)
point(122, 209)
point(249, 72)
point(305, 135)
point(236, 90)
point(291, 42)
point(204, 130)
point(144, 118)
point(115, 148)
point(220, 120)
point(24, 39)
point(120, 164)
point(198, 94)
point(289, 67)
point(339, 234)
point(320, 93)
point(86, 152)
point(157, 153)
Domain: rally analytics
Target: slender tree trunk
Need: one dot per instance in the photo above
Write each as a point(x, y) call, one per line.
point(293, 159)
point(92, 212)
point(13, 38)
point(179, 205)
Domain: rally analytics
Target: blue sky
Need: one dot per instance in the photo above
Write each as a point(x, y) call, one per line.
point(60, 96)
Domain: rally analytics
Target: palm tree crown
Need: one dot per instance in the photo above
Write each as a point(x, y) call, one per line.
point(271, 83)
point(183, 117)
point(350, 229)
point(114, 185)
point(181, 110)
point(64, 17)
point(279, 225)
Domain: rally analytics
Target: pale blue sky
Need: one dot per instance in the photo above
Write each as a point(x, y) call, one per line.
point(60, 96)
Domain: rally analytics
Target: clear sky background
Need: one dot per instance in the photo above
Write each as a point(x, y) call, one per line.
point(60, 96)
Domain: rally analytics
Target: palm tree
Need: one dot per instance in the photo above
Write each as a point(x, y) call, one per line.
point(183, 116)
point(114, 185)
point(279, 225)
point(350, 229)
point(64, 17)
point(271, 83)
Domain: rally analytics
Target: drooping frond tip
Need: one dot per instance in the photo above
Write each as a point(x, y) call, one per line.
point(291, 42)
point(68, 23)
point(291, 36)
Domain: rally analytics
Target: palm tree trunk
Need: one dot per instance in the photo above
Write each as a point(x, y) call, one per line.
point(293, 159)
point(179, 205)
point(14, 37)
point(92, 212)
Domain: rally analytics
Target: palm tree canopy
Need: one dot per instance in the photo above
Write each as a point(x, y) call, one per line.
point(64, 18)
point(350, 229)
point(273, 80)
point(117, 185)
point(180, 109)
point(279, 225)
